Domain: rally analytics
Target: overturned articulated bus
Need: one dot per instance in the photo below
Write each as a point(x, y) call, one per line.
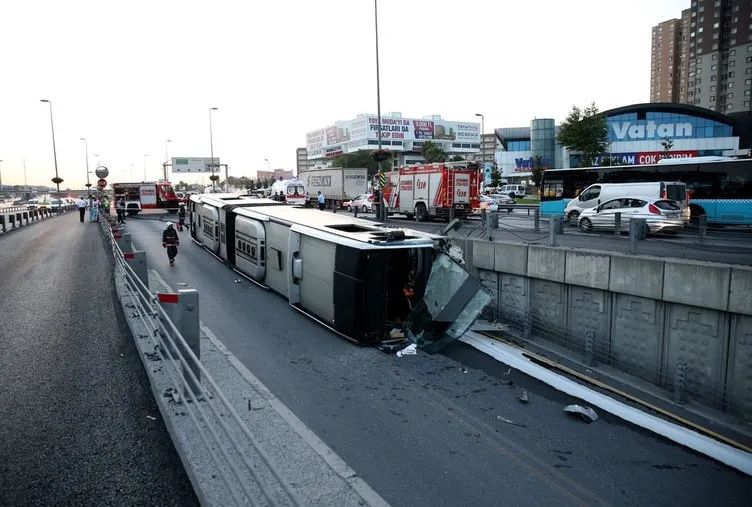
point(357, 278)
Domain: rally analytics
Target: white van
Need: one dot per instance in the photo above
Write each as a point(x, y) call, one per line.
point(519, 191)
point(594, 195)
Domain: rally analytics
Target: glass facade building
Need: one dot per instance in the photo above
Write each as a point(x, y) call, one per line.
point(543, 140)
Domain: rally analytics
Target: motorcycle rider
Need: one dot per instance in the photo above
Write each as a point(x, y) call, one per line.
point(170, 241)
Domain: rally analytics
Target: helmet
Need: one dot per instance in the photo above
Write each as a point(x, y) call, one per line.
point(169, 224)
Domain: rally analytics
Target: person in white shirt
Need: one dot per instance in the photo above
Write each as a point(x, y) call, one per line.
point(81, 204)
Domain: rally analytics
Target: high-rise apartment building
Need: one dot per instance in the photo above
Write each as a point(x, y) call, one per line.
point(705, 58)
point(665, 61)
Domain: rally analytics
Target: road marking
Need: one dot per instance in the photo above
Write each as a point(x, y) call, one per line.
point(331, 458)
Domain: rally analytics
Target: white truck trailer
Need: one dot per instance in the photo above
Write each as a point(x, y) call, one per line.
point(338, 184)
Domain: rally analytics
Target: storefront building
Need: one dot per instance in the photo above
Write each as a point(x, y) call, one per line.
point(638, 134)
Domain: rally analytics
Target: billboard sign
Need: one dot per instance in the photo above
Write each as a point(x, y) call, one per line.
point(194, 164)
point(399, 129)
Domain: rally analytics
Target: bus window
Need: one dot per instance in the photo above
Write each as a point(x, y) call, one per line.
point(553, 188)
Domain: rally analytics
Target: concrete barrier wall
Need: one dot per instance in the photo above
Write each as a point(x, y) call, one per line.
point(641, 315)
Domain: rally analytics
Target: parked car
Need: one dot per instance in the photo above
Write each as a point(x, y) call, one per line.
point(362, 202)
point(55, 204)
point(661, 215)
point(494, 202)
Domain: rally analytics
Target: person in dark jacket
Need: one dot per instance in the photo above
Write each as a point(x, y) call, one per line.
point(181, 216)
point(170, 241)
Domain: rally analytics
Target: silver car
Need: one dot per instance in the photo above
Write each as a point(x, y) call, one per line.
point(661, 215)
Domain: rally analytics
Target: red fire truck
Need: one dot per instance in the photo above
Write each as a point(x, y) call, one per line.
point(146, 195)
point(431, 190)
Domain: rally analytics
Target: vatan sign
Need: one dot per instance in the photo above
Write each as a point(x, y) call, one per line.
point(194, 164)
point(641, 130)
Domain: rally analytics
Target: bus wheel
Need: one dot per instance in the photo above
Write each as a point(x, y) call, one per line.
point(573, 218)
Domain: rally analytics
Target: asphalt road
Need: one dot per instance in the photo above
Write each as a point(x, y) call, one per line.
point(78, 421)
point(424, 430)
point(731, 245)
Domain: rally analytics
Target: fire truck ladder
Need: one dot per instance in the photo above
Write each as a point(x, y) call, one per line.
point(450, 187)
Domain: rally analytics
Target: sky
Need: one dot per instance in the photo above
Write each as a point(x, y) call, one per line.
point(128, 76)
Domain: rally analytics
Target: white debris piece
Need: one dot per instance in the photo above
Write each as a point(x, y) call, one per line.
point(587, 413)
point(410, 350)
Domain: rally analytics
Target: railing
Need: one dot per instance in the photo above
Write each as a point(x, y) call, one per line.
point(172, 319)
point(14, 217)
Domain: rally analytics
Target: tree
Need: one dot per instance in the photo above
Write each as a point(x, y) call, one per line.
point(585, 131)
point(432, 153)
point(495, 176)
point(667, 144)
point(537, 170)
point(361, 159)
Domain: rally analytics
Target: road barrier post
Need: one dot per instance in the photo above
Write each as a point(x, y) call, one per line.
point(617, 223)
point(451, 213)
point(123, 241)
point(12, 219)
point(553, 227)
point(702, 227)
point(536, 219)
point(137, 262)
point(637, 231)
point(182, 309)
point(483, 217)
point(590, 348)
point(19, 219)
point(2, 223)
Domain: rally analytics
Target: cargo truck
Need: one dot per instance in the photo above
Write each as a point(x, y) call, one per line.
point(337, 184)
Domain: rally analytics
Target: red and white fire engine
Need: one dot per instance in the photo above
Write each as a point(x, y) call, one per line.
point(146, 195)
point(431, 190)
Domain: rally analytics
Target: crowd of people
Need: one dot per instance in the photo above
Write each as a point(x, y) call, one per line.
point(95, 205)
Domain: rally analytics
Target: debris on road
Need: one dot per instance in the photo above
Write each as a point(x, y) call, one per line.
point(586, 413)
point(509, 421)
point(410, 350)
point(182, 284)
point(463, 370)
point(151, 418)
point(523, 397)
point(237, 280)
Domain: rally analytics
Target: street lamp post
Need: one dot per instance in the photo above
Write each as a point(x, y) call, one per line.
point(1, 176)
point(57, 180)
point(145, 155)
point(86, 143)
point(211, 148)
point(167, 158)
point(482, 141)
point(381, 208)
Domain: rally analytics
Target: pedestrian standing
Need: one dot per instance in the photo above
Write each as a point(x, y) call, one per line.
point(322, 201)
point(120, 210)
point(81, 205)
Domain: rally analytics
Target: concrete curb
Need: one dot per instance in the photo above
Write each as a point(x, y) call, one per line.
point(316, 474)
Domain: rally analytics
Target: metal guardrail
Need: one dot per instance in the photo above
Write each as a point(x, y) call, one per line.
point(186, 371)
point(14, 217)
